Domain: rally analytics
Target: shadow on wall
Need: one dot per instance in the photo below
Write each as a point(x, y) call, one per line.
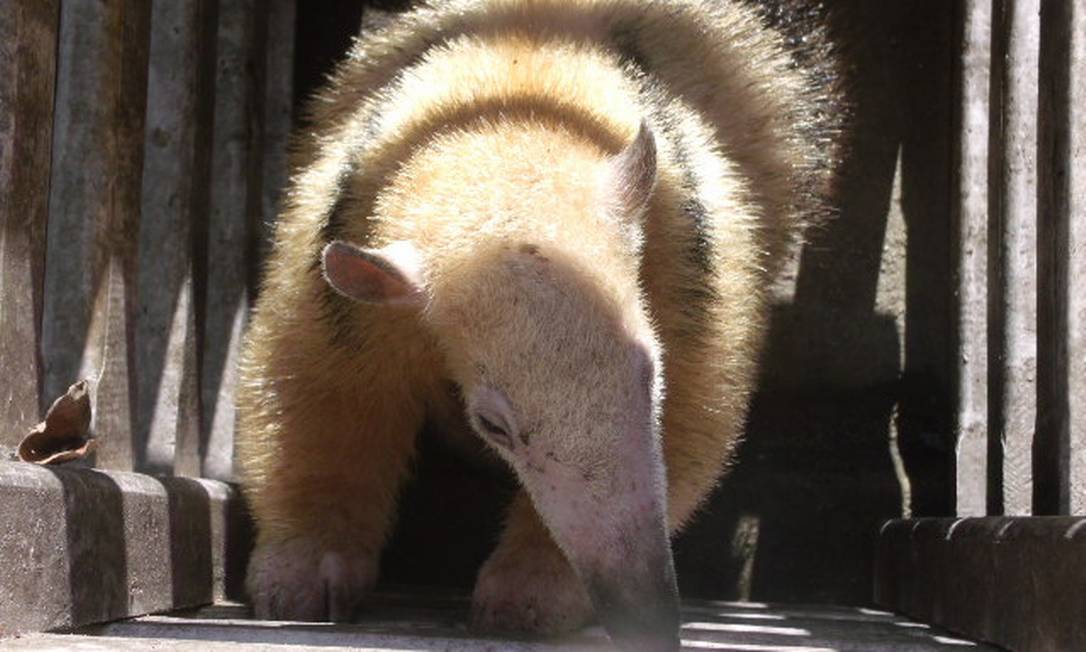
point(857, 362)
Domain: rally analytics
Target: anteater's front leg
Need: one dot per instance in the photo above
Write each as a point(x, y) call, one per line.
point(527, 585)
point(323, 460)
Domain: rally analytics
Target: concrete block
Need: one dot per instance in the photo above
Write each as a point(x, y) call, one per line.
point(79, 546)
point(1015, 582)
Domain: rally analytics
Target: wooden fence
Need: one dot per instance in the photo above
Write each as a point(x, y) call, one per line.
point(1022, 272)
point(142, 151)
point(1012, 568)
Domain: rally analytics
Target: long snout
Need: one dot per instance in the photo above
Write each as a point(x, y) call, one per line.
point(633, 591)
point(618, 544)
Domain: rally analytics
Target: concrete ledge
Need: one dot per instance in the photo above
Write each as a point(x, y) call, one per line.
point(1017, 582)
point(80, 546)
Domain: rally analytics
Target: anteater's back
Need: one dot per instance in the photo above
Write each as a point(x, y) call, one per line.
point(704, 70)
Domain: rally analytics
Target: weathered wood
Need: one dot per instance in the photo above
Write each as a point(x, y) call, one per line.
point(971, 221)
point(1016, 582)
point(1060, 450)
point(1017, 45)
point(176, 186)
point(1076, 265)
point(1051, 453)
point(236, 202)
point(82, 546)
point(278, 111)
point(94, 202)
point(28, 33)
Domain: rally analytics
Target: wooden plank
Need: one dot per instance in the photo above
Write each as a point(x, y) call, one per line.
point(278, 112)
point(176, 185)
point(1060, 452)
point(28, 34)
point(1051, 450)
point(1076, 263)
point(236, 203)
point(971, 221)
point(1017, 44)
point(94, 204)
point(1015, 582)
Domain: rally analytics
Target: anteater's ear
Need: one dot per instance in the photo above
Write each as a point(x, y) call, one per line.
point(389, 275)
point(631, 175)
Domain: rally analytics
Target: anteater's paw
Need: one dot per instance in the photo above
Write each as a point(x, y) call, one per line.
point(533, 592)
point(302, 580)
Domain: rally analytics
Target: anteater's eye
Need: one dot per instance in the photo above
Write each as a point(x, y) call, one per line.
point(492, 415)
point(494, 431)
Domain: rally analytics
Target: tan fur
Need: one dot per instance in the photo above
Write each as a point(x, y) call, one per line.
point(479, 131)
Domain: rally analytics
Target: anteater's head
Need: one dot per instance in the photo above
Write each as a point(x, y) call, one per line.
point(548, 337)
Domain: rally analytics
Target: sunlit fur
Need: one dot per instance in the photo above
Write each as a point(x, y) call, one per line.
point(474, 128)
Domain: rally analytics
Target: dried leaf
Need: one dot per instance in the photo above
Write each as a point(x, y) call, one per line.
point(62, 437)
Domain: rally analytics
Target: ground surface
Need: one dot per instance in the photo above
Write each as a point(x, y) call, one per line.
point(409, 622)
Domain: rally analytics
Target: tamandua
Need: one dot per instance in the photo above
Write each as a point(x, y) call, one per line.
point(570, 211)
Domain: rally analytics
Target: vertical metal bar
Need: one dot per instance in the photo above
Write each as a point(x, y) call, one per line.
point(176, 181)
point(971, 470)
point(232, 234)
point(1016, 245)
point(28, 35)
point(94, 204)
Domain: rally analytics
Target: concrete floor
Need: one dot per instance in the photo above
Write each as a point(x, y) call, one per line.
point(413, 622)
